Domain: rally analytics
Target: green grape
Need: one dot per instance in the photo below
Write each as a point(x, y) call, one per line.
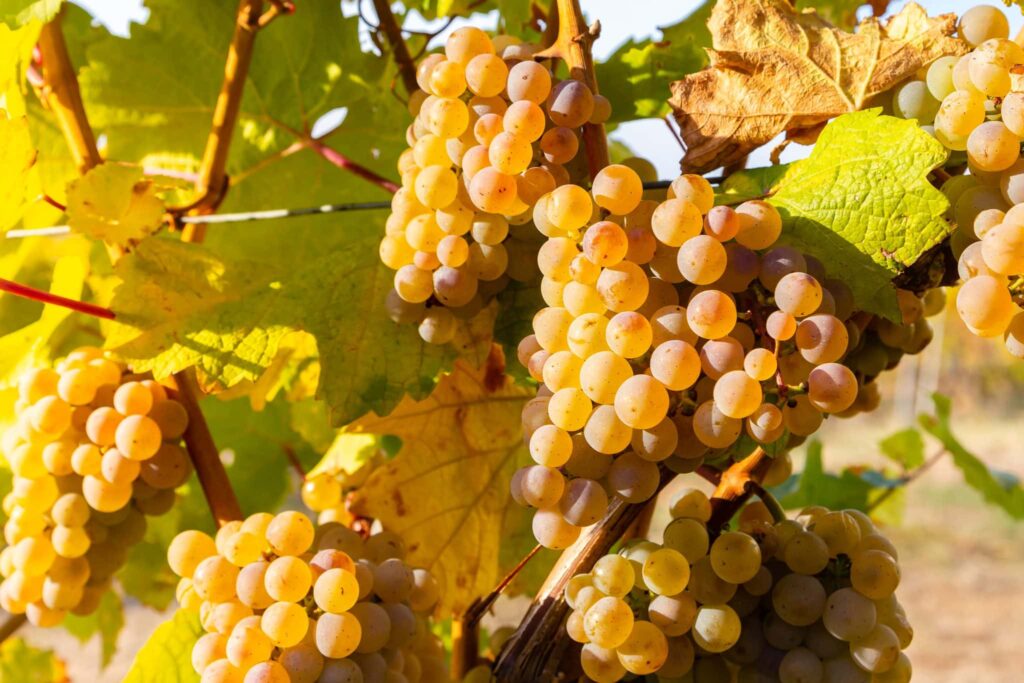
point(528, 81)
point(849, 615)
point(602, 375)
point(981, 23)
point(267, 672)
point(601, 664)
point(737, 394)
point(133, 398)
point(716, 628)
point(735, 557)
point(645, 649)
point(288, 579)
point(805, 553)
point(629, 334)
point(552, 531)
point(992, 147)
point(632, 478)
point(711, 314)
point(338, 635)
point(209, 648)
point(551, 326)
point(876, 652)
point(605, 243)
point(250, 585)
point(800, 665)
point(914, 100)
point(657, 443)
point(34, 556)
point(831, 387)
point(676, 221)
point(641, 402)
point(799, 599)
point(616, 187)
point(70, 541)
point(801, 417)
point(304, 663)
point(822, 338)
point(285, 623)
point(702, 260)
point(586, 462)
point(688, 536)
point(695, 189)
point(613, 575)
point(714, 428)
point(608, 622)
point(290, 533)
point(551, 446)
point(666, 572)
point(584, 502)
point(569, 409)
point(104, 496)
point(875, 574)
point(224, 616)
point(214, 579)
point(392, 580)
point(247, 645)
point(706, 586)
point(839, 530)
point(542, 487)
point(571, 104)
point(674, 615)
point(760, 224)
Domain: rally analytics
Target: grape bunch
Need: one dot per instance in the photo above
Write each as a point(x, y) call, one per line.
point(94, 450)
point(493, 132)
point(324, 493)
point(798, 601)
point(282, 601)
point(956, 95)
point(672, 328)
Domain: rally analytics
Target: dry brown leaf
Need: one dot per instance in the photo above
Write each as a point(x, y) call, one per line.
point(447, 491)
point(774, 69)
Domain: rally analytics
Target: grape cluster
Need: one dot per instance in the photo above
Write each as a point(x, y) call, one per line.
point(94, 450)
point(798, 601)
point(282, 601)
point(493, 132)
point(671, 329)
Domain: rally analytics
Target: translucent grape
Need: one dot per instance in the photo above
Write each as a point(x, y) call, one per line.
point(666, 571)
point(571, 104)
point(617, 188)
point(717, 628)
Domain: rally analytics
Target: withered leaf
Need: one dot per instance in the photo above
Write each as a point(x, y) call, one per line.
point(774, 69)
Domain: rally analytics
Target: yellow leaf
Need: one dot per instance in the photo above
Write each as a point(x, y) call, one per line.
point(774, 69)
point(17, 155)
point(447, 491)
point(113, 203)
point(15, 53)
point(347, 454)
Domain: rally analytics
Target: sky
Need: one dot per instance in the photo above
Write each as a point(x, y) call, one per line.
point(620, 21)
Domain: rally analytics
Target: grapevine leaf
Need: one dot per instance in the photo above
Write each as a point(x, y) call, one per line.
point(994, 487)
point(754, 183)
point(347, 453)
point(34, 344)
point(905, 447)
point(446, 492)
point(20, 661)
point(15, 53)
point(814, 486)
point(636, 77)
point(17, 155)
point(112, 203)
point(180, 305)
point(861, 203)
point(841, 13)
point(21, 12)
point(167, 655)
point(107, 621)
point(774, 69)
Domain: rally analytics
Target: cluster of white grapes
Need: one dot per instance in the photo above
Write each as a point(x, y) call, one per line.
point(324, 493)
point(798, 601)
point(671, 328)
point(493, 132)
point(969, 103)
point(94, 450)
point(282, 601)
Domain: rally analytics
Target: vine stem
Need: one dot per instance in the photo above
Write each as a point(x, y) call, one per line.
point(770, 502)
point(343, 162)
point(34, 294)
point(212, 183)
point(60, 92)
point(573, 42)
point(738, 482)
point(399, 48)
point(535, 650)
point(9, 623)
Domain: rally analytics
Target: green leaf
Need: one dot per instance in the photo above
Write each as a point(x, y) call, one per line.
point(862, 204)
point(107, 621)
point(994, 487)
point(36, 343)
point(905, 447)
point(167, 655)
point(815, 486)
point(17, 155)
point(754, 183)
point(20, 12)
point(635, 78)
point(20, 663)
point(112, 203)
point(347, 454)
point(181, 305)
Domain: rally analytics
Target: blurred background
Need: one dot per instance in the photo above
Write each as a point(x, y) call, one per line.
point(962, 560)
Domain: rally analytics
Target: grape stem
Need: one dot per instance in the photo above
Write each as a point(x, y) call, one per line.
point(572, 45)
point(538, 646)
point(341, 161)
point(387, 23)
point(60, 93)
point(738, 482)
point(34, 294)
point(9, 624)
point(466, 627)
point(770, 502)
